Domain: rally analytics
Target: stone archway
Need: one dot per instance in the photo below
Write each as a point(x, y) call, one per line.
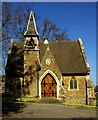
point(48, 86)
point(49, 75)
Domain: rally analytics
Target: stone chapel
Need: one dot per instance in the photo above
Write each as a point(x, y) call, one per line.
point(48, 69)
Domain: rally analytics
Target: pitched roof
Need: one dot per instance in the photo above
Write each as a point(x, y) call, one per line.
point(68, 56)
point(31, 27)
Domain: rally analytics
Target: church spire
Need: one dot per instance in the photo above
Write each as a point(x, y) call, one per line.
point(31, 35)
point(31, 27)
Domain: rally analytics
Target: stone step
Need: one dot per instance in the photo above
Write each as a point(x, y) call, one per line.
point(49, 100)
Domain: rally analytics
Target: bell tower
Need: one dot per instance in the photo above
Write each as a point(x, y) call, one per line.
point(31, 58)
point(31, 35)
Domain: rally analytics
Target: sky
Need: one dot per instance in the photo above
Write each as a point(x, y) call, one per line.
point(79, 18)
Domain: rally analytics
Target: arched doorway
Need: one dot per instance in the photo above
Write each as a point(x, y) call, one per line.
point(48, 86)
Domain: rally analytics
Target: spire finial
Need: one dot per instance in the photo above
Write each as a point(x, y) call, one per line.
point(46, 41)
point(48, 47)
point(79, 38)
point(31, 14)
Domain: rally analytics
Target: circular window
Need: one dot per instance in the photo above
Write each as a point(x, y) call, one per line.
point(48, 61)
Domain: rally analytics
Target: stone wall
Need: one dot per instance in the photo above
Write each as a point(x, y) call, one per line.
point(52, 66)
point(48, 65)
point(91, 96)
point(75, 96)
point(31, 73)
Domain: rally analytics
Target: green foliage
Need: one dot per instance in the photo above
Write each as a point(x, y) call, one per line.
point(23, 99)
point(79, 105)
point(27, 99)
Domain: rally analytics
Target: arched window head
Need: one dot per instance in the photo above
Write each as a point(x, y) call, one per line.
point(73, 83)
point(30, 42)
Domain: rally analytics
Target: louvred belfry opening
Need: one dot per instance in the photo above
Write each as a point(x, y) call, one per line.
point(48, 87)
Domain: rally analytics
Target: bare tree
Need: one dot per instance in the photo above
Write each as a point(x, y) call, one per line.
point(1, 37)
point(14, 23)
point(51, 31)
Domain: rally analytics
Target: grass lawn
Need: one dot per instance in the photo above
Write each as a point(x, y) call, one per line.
point(80, 105)
point(49, 100)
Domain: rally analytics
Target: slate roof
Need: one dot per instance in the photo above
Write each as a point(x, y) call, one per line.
point(68, 56)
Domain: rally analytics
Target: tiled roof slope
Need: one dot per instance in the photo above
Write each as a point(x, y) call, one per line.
point(67, 54)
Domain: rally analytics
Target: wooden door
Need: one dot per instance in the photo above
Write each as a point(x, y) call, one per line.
point(48, 87)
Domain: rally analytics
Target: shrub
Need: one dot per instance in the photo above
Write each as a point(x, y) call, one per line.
point(28, 99)
point(79, 105)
